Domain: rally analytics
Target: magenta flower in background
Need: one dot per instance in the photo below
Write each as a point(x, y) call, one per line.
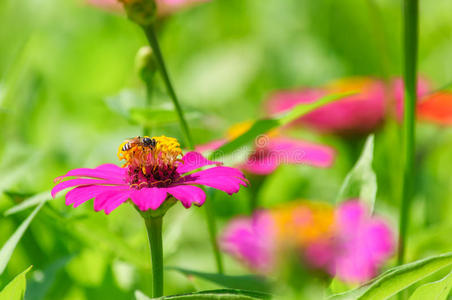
point(357, 114)
point(251, 240)
point(345, 242)
point(272, 150)
point(149, 177)
point(365, 242)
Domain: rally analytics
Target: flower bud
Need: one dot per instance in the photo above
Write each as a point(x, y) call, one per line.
point(142, 12)
point(145, 63)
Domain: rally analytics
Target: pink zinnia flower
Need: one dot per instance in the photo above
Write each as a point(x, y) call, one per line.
point(153, 172)
point(272, 150)
point(357, 114)
point(346, 242)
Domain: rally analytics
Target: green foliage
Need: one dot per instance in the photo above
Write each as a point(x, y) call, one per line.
point(8, 248)
point(15, 290)
point(361, 181)
point(248, 282)
point(438, 290)
point(224, 294)
point(397, 279)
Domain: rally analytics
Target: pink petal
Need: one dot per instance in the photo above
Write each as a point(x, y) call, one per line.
point(80, 182)
point(356, 114)
point(95, 173)
point(148, 198)
point(103, 199)
point(288, 151)
point(115, 203)
point(84, 193)
point(365, 242)
point(226, 179)
point(192, 161)
point(251, 240)
point(188, 194)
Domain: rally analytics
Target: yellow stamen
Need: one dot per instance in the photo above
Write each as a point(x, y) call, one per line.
point(166, 151)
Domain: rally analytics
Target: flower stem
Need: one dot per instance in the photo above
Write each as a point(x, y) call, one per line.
point(153, 42)
point(212, 227)
point(149, 88)
point(154, 229)
point(410, 13)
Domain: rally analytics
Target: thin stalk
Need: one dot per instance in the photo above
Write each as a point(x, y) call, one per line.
point(154, 229)
point(212, 227)
point(153, 42)
point(410, 13)
point(149, 88)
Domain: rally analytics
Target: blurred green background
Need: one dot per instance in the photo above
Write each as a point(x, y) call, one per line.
point(68, 78)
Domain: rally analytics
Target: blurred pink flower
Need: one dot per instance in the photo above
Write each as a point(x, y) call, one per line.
point(164, 7)
point(346, 242)
point(365, 242)
point(148, 177)
point(251, 240)
point(357, 114)
point(272, 150)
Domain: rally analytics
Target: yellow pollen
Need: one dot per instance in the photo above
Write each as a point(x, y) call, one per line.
point(166, 151)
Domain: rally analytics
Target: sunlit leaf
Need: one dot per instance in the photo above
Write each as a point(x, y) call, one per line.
point(396, 279)
point(15, 290)
point(139, 295)
point(438, 290)
point(29, 202)
point(361, 181)
point(8, 248)
point(246, 282)
point(223, 294)
point(263, 126)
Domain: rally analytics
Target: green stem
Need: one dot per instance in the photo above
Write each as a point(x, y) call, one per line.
point(212, 227)
point(149, 88)
point(411, 8)
point(153, 42)
point(154, 229)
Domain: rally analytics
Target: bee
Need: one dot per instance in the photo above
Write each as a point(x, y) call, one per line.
point(142, 141)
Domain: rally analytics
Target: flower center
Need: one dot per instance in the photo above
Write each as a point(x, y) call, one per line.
point(305, 223)
point(150, 162)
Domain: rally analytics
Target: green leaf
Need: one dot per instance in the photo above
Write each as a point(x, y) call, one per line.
point(223, 294)
point(8, 248)
point(438, 290)
point(263, 126)
point(15, 290)
point(361, 181)
point(29, 202)
point(139, 295)
point(152, 117)
point(38, 286)
point(397, 279)
point(248, 282)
